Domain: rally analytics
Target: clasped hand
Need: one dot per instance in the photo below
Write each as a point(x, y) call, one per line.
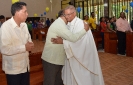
point(29, 46)
point(57, 40)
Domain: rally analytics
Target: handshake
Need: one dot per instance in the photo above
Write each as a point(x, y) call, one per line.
point(29, 46)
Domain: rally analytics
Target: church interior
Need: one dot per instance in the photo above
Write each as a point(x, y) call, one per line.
point(117, 68)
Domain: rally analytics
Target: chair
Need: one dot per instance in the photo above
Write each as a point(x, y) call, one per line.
point(110, 42)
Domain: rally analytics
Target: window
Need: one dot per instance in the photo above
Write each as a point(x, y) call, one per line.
point(87, 6)
point(116, 8)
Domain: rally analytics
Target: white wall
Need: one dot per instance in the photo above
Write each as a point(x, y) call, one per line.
point(33, 6)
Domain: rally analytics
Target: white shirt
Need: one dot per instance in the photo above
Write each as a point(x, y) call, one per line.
point(13, 38)
point(123, 25)
point(82, 66)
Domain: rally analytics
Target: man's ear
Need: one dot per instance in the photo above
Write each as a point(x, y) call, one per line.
point(75, 13)
point(17, 13)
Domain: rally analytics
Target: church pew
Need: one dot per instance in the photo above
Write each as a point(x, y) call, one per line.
point(42, 34)
point(36, 70)
point(129, 44)
point(110, 42)
point(97, 38)
point(35, 33)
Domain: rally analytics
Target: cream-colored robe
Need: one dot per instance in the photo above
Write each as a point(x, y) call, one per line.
point(82, 66)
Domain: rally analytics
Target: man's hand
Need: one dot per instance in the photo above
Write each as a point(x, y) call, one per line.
point(57, 40)
point(86, 26)
point(29, 46)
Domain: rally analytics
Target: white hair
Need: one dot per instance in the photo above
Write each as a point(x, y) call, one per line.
point(71, 7)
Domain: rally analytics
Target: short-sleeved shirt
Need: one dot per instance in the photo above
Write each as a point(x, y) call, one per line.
point(103, 24)
point(92, 21)
point(123, 25)
point(87, 21)
point(29, 26)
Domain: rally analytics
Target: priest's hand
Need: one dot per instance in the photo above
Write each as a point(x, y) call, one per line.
point(86, 26)
point(57, 40)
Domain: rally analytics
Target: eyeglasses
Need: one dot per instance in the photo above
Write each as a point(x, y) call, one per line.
point(68, 14)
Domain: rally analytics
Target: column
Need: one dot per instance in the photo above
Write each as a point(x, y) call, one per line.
point(106, 8)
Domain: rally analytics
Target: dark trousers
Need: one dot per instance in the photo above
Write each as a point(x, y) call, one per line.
point(121, 42)
point(52, 74)
point(18, 79)
point(102, 35)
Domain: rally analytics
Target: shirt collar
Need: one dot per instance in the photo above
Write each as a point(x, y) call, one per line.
point(73, 21)
point(14, 24)
point(122, 18)
point(62, 20)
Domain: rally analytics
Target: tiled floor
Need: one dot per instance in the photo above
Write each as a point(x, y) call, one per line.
point(117, 69)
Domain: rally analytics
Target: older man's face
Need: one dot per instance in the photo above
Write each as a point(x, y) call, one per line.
point(69, 14)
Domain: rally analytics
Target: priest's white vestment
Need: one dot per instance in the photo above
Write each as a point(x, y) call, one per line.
point(82, 66)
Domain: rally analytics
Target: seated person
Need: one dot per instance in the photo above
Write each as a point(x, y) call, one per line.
point(2, 19)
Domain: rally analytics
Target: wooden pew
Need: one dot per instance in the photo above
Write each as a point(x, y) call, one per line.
point(97, 38)
point(42, 34)
point(110, 42)
point(2, 74)
point(129, 44)
point(36, 70)
point(35, 33)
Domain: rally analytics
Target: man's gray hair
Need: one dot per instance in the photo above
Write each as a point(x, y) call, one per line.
point(71, 7)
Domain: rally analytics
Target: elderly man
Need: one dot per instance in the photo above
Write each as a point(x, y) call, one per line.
point(53, 56)
point(82, 65)
point(15, 42)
